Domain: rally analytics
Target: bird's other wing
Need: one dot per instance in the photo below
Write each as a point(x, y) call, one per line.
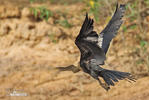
point(87, 32)
point(87, 40)
point(112, 27)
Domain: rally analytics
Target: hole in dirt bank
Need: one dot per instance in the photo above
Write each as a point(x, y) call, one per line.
point(33, 19)
point(8, 29)
point(30, 27)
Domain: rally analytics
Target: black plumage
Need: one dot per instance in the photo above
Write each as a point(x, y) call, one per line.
point(93, 48)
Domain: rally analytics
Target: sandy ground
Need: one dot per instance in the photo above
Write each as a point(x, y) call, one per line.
point(28, 58)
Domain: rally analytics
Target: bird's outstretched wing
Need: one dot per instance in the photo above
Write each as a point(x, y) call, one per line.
point(87, 32)
point(87, 42)
point(112, 27)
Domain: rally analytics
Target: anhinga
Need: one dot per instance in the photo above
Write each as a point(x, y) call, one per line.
point(93, 48)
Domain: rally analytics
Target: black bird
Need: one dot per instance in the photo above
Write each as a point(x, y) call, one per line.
point(93, 48)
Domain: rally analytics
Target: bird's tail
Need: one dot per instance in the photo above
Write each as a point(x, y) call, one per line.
point(111, 76)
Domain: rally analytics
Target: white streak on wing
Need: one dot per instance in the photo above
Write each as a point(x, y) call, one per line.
point(93, 39)
point(100, 40)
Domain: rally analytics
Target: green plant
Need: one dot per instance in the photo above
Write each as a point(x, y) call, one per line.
point(65, 2)
point(41, 13)
point(133, 12)
point(143, 44)
point(53, 37)
point(94, 8)
point(146, 2)
point(133, 26)
point(143, 58)
point(65, 23)
point(124, 28)
point(32, 1)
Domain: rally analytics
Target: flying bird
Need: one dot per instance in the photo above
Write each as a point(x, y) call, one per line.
point(93, 48)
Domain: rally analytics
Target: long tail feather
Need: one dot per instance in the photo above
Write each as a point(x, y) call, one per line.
point(111, 76)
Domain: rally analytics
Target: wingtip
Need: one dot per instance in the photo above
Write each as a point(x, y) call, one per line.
point(117, 5)
point(123, 6)
point(120, 5)
point(86, 14)
point(89, 18)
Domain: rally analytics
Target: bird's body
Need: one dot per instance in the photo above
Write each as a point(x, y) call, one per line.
point(93, 48)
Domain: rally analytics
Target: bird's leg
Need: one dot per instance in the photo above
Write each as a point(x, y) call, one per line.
point(104, 85)
point(95, 76)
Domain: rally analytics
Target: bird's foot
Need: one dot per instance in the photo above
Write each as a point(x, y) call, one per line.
point(105, 86)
